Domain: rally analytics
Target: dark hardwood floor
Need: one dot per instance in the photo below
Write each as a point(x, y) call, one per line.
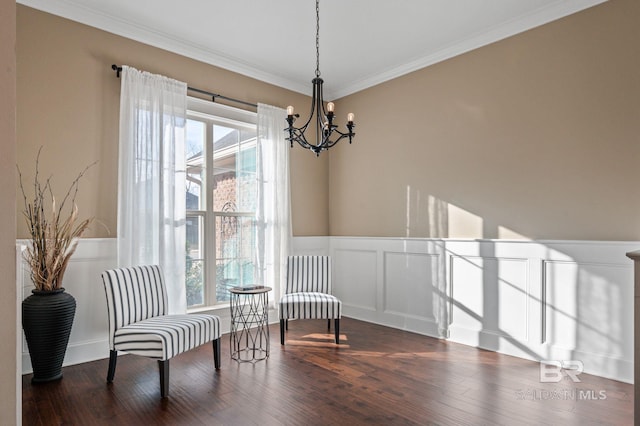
point(378, 375)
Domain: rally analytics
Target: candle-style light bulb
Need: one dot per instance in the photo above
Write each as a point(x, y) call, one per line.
point(330, 107)
point(289, 110)
point(350, 117)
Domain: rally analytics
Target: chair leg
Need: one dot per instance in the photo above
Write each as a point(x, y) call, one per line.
point(113, 357)
point(286, 324)
point(329, 324)
point(216, 353)
point(163, 367)
point(282, 327)
point(337, 327)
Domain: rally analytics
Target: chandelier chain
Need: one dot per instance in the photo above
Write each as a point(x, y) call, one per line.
point(317, 38)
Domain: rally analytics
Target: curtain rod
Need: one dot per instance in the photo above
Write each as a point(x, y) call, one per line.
point(118, 70)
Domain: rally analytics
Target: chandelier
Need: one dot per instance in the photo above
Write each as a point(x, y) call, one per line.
point(325, 128)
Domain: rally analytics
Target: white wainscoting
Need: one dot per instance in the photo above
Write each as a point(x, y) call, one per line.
point(89, 335)
point(541, 300)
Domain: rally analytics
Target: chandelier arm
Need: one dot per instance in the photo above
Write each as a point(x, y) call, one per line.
point(299, 131)
point(320, 118)
point(298, 137)
point(325, 120)
point(330, 144)
point(339, 132)
point(321, 103)
point(313, 108)
point(302, 128)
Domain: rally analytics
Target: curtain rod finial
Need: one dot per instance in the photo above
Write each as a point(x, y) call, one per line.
point(117, 69)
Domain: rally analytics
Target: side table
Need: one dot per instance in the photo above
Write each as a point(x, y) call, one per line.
point(249, 323)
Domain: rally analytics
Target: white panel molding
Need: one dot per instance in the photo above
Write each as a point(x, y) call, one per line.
point(585, 287)
point(424, 281)
point(498, 281)
point(595, 290)
point(359, 264)
point(381, 248)
point(521, 273)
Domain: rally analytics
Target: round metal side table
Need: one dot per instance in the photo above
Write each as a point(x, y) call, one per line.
point(249, 323)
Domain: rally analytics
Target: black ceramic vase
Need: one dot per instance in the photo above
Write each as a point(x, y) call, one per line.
point(47, 317)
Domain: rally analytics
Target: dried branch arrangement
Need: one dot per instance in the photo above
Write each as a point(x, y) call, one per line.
point(54, 229)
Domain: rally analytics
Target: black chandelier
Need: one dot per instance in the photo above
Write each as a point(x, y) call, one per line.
point(325, 128)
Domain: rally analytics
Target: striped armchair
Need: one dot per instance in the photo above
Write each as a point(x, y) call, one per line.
point(139, 324)
point(308, 293)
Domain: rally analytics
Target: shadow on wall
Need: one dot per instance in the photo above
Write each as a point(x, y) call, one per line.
point(432, 217)
point(577, 306)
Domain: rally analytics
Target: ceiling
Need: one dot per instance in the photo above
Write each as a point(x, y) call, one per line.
point(362, 42)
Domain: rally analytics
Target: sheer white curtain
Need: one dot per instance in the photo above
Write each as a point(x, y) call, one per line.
point(274, 206)
point(151, 178)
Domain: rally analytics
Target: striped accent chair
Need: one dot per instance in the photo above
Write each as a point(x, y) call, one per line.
point(308, 293)
point(139, 323)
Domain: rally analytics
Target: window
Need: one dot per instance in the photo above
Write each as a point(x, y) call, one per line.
point(221, 201)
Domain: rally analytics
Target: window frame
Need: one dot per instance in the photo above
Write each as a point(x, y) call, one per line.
point(212, 113)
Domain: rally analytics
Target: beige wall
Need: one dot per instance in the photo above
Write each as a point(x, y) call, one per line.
point(537, 135)
point(68, 102)
point(8, 366)
point(533, 136)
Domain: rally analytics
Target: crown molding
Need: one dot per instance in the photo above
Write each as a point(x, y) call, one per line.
point(542, 16)
point(75, 11)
